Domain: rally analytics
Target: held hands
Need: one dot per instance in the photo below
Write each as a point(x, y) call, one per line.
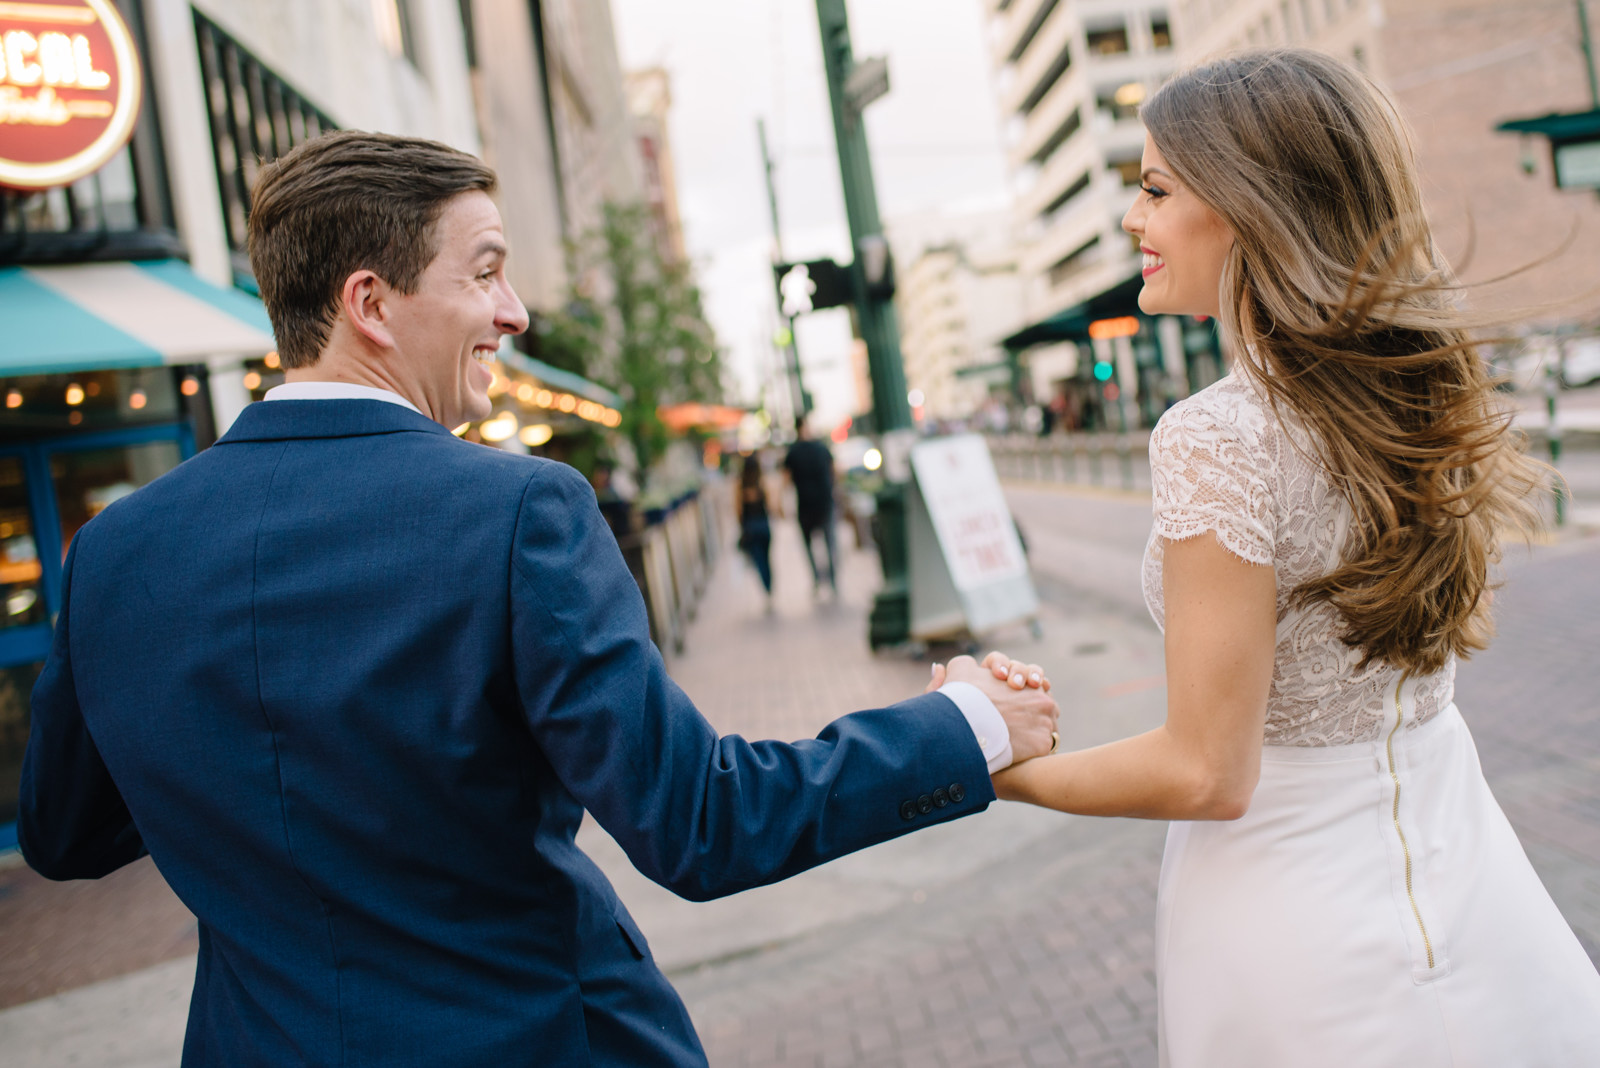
point(1020, 692)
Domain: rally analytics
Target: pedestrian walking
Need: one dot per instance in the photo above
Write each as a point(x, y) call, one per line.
point(1340, 887)
point(755, 523)
point(353, 682)
point(809, 465)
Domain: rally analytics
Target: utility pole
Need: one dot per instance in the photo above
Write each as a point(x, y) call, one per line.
point(851, 87)
point(790, 348)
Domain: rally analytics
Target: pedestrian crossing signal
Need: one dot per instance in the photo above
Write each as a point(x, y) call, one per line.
point(812, 286)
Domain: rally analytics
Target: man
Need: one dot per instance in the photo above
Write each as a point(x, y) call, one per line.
point(352, 681)
point(809, 465)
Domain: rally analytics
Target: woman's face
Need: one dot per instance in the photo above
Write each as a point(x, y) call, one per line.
point(1184, 243)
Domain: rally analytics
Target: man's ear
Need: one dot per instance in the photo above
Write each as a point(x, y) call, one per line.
point(364, 302)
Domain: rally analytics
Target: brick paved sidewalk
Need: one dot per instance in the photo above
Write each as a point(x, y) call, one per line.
point(1047, 959)
point(1014, 937)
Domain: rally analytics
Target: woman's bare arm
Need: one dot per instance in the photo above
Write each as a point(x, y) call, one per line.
point(1204, 762)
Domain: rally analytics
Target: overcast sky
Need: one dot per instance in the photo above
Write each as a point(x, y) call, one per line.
point(935, 143)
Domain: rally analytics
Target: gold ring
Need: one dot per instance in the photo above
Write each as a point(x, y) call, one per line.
point(1055, 742)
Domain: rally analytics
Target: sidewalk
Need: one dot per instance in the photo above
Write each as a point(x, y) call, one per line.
point(1016, 937)
point(115, 956)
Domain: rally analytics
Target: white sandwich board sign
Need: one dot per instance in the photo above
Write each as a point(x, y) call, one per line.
point(968, 571)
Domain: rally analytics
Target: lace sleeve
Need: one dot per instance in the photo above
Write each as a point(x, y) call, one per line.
point(1207, 473)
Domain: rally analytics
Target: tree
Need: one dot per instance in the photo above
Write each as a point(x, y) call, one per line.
point(636, 324)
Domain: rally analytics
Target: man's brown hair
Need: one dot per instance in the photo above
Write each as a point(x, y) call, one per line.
point(341, 203)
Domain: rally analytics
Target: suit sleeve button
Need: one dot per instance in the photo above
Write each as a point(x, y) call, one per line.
point(925, 804)
point(908, 810)
point(958, 793)
point(941, 797)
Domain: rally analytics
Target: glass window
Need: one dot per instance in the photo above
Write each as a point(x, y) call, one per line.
point(89, 400)
point(1109, 41)
point(1128, 170)
point(1160, 31)
point(87, 481)
point(1121, 103)
point(16, 683)
point(21, 596)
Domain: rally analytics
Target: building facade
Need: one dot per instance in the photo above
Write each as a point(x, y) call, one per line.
point(649, 104)
point(1071, 76)
point(1457, 69)
point(958, 294)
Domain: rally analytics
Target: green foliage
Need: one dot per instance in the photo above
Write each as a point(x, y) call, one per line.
point(635, 324)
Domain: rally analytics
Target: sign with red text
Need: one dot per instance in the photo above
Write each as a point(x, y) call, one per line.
point(70, 88)
point(967, 560)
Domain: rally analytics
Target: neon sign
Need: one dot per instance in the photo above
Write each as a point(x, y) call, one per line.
point(69, 90)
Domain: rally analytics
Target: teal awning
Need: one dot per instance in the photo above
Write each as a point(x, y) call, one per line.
point(102, 316)
point(1072, 324)
point(1558, 126)
point(555, 377)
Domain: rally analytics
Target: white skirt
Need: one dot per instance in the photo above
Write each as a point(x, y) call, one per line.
point(1316, 932)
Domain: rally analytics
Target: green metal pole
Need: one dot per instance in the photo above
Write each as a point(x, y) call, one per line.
point(878, 325)
point(890, 622)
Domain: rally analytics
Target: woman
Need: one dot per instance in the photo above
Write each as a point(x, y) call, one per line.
point(1339, 885)
point(755, 526)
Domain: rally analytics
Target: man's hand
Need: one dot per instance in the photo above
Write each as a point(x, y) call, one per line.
point(1019, 691)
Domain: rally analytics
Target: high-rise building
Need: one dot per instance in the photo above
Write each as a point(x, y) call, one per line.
point(1353, 30)
point(649, 102)
point(1072, 74)
point(959, 290)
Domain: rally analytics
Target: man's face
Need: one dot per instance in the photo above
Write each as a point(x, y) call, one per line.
point(448, 331)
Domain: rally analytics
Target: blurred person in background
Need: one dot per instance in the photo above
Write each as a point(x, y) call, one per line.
point(809, 465)
point(755, 522)
point(1340, 886)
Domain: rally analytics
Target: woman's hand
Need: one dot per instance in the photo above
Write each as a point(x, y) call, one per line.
point(1014, 673)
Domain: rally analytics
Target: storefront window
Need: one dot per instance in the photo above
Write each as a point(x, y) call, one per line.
point(16, 683)
point(21, 595)
point(40, 405)
point(87, 481)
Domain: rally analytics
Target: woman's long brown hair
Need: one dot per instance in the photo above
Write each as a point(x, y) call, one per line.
point(1336, 304)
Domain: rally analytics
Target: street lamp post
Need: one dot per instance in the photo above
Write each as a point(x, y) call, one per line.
point(852, 85)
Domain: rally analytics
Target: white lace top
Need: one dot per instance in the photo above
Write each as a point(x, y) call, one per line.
point(1221, 461)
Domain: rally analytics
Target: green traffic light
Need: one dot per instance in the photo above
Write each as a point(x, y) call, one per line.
point(1102, 372)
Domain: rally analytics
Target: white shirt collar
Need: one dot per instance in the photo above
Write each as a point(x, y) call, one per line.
point(336, 391)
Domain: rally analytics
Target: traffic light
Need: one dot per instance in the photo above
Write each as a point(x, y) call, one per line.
point(1103, 370)
point(812, 286)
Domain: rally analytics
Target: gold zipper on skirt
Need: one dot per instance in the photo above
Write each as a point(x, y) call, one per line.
point(1399, 717)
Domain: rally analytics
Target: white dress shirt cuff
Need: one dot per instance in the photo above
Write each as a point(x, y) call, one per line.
point(988, 727)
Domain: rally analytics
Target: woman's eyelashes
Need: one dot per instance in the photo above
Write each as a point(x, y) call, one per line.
point(1154, 192)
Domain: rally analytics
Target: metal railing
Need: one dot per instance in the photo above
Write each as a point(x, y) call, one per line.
point(672, 558)
point(1092, 459)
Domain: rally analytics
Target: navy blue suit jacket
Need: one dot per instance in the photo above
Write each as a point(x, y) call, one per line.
point(352, 682)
